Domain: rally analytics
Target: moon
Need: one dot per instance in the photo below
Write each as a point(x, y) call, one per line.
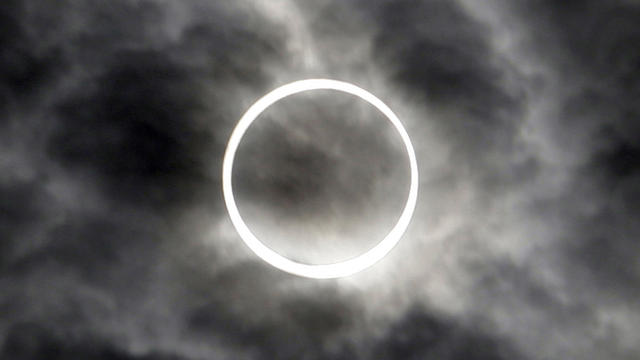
point(321, 271)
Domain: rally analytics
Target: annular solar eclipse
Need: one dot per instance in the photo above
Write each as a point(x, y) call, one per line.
point(322, 271)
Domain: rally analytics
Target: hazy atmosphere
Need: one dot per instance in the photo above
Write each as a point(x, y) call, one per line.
point(115, 242)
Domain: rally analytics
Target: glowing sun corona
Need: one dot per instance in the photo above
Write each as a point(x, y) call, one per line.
point(323, 271)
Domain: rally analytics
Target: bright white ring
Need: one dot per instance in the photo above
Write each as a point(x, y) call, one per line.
point(324, 271)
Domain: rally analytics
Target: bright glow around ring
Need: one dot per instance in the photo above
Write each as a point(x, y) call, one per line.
point(323, 271)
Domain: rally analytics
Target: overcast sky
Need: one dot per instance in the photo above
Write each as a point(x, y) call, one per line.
point(115, 242)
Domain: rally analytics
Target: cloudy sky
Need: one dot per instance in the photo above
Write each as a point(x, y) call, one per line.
point(115, 242)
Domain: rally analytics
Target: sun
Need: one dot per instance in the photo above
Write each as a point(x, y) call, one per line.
point(323, 271)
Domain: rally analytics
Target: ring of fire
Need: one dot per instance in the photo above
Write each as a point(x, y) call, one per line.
point(322, 271)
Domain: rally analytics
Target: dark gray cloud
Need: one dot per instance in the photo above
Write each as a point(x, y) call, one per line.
point(114, 239)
